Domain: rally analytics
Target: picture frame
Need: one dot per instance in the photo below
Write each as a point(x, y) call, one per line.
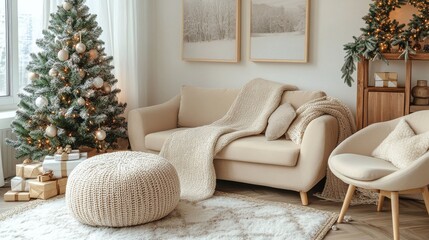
point(211, 30)
point(282, 38)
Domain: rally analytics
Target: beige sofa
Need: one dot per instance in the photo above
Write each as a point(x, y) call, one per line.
point(279, 164)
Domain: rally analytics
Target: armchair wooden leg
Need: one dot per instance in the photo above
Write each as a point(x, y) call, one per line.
point(425, 193)
point(380, 202)
point(394, 197)
point(346, 202)
point(304, 198)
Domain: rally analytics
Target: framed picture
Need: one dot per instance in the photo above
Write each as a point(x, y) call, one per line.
point(211, 30)
point(279, 30)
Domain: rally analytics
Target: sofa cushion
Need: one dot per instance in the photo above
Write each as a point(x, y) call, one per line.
point(202, 106)
point(298, 98)
point(254, 149)
point(279, 121)
point(360, 167)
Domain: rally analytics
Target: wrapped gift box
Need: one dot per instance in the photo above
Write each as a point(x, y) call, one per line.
point(46, 190)
point(61, 169)
point(28, 170)
point(18, 184)
point(11, 196)
point(386, 84)
point(74, 155)
point(386, 79)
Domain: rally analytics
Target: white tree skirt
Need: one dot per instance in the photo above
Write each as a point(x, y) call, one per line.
point(224, 216)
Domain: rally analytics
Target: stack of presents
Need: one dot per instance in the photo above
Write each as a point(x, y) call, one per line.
point(44, 180)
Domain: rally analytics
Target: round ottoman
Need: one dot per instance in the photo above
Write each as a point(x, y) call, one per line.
point(122, 189)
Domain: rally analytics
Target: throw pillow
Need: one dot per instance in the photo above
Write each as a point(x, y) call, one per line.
point(279, 121)
point(402, 146)
point(402, 130)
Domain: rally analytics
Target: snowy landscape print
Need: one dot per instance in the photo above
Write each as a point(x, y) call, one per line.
point(210, 30)
point(279, 30)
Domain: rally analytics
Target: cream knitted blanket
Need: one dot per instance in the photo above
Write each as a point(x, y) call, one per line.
point(192, 151)
point(335, 189)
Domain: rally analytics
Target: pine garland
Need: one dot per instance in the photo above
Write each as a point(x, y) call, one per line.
point(65, 103)
point(383, 34)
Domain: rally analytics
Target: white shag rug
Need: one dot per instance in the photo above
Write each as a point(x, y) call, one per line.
point(224, 216)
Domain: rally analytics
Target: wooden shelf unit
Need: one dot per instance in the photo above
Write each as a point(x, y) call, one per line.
point(377, 104)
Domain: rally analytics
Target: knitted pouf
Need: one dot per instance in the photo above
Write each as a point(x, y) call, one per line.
point(122, 189)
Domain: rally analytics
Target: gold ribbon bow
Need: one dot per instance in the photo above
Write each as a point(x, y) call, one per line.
point(67, 149)
point(45, 176)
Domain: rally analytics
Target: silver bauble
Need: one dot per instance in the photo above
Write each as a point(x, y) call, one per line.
point(53, 72)
point(81, 101)
point(67, 6)
point(41, 102)
point(100, 134)
point(63, 55)
point(33, 76)
point(98, 82)
point(51, 131)
point(80, 48)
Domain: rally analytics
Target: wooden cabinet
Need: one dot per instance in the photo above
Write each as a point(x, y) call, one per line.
point(377, 104)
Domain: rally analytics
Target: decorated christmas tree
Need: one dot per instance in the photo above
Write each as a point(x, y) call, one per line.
point(71, 99)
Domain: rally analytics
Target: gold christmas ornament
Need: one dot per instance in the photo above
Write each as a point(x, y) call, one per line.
point(107, 88)
point(33, 76)
point(93, 54)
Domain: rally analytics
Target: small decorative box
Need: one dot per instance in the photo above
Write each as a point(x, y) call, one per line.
point(28, 170)
point(11, 196)
point(18, 184)
point(61, 169)
point(74, 155)
point(386, 79)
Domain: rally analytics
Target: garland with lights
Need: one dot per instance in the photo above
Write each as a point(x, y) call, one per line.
point(382, 35)
point(71, 99)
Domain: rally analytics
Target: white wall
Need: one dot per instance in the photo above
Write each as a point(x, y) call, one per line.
point(333, 23)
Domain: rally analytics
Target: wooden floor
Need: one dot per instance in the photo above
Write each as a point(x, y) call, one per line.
point(366, 224)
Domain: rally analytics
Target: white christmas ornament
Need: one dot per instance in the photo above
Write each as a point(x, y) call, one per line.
point(41, 102)
point(80, 48)
point(51, 131)
point(33, 76)
point(98, 82)
point(53, 72)
point(100, 134)
point(63, 55)
point(93, 54)
point(67, 6)
point(81, 101)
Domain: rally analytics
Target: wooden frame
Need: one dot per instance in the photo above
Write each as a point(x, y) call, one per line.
point(192, 57)
point(266, 57)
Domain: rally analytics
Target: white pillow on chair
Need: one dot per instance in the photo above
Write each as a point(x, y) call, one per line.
point(402, 146)
point(279, 121)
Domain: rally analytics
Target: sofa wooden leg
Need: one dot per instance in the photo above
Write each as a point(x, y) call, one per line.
point(346, 202)
point(394, 197)
point(304, 198)
point(380, 202)
point(425, 193)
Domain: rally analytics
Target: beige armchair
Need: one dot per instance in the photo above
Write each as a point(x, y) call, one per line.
point(351, 161)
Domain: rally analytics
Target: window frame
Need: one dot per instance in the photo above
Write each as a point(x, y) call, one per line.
point(10, 101)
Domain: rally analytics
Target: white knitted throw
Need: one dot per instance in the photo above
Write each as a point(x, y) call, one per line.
point(335, 189)
point(192, 151)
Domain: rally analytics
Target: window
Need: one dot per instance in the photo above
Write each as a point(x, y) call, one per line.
point(21, 25)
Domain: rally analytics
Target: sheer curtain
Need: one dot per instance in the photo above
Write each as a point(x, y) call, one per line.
point(124, 24)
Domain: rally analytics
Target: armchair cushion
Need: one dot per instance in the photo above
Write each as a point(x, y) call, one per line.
point(402, 146)
point(360, 167)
